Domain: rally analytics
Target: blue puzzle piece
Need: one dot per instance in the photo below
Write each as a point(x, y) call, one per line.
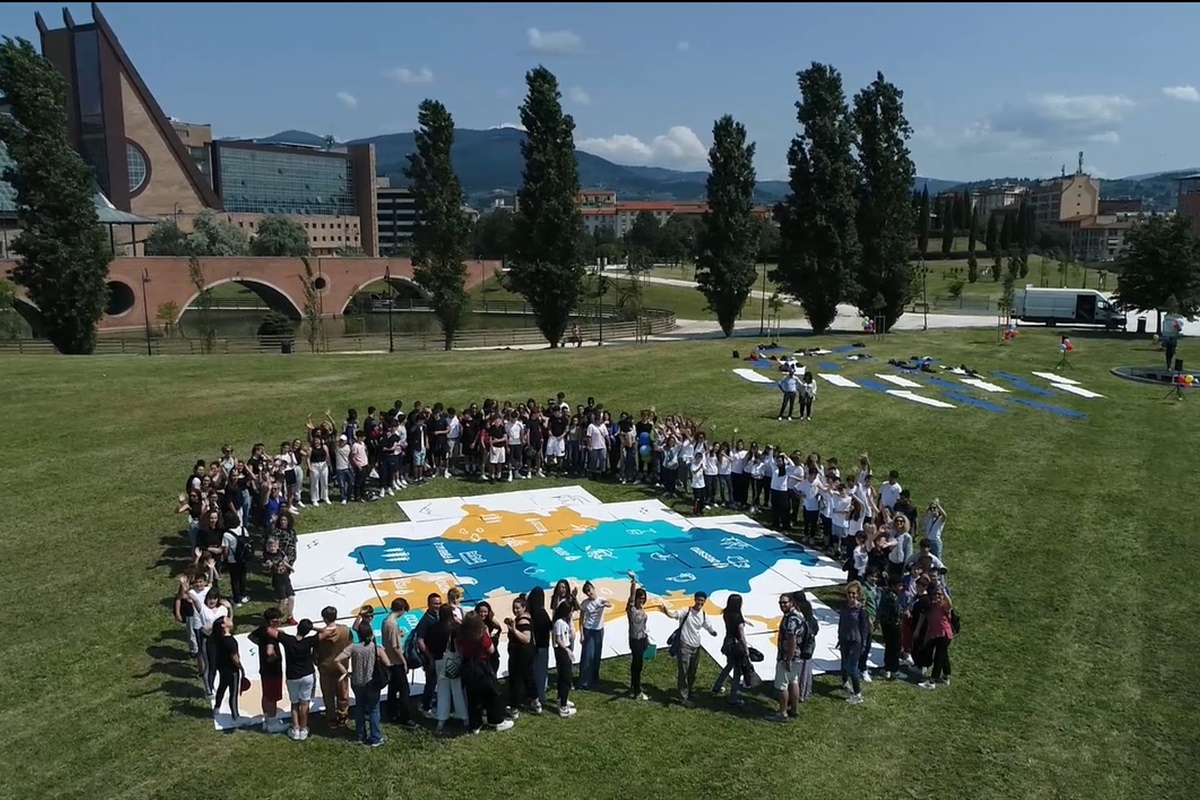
point(829, 366)
point(975, 401)
point(1023, 385)
point(1062, 412)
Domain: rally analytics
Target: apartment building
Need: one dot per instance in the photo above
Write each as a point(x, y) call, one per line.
point(602, 211)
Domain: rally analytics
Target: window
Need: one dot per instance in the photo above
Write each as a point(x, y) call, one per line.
point(286, 182)
point(135, 163)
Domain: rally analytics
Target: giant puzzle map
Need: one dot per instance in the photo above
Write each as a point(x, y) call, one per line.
point(497, 546)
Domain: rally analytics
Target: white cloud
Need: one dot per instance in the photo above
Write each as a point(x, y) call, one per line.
point(515, 126)
point(554, 43)
point(408, 76)
point(348, 100)
point(578, 96)
point(1041, 124)
point(682, 47)
point(1187, 94)
point(679, 147)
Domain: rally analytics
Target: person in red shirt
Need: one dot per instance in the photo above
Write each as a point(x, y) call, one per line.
point(479, 679)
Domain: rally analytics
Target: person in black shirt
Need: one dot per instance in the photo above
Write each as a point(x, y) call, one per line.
point(270, 667)
point(298, 653)
point(542, 625)
point(229, 665)
point(521, 653)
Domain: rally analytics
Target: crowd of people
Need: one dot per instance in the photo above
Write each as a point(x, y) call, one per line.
point(242, 513)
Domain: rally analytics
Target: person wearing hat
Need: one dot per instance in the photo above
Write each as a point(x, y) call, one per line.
point(691, 621)
point(343, 475)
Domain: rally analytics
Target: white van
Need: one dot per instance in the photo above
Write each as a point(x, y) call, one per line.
point(1065, 306)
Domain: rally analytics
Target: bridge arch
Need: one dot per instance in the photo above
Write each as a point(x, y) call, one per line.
point(404, 287)
point(276, 299)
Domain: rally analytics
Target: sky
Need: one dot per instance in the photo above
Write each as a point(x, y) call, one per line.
point(990, 90)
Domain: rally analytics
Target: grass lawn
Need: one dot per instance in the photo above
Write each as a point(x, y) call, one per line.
point(1074, 675)
point(685, 302)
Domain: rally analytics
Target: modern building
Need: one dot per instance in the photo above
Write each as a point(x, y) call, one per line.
point(117, 125)
point(397, 209)
point(331, 193)
point(1188, 201)
point(996, 198)
point(1098, 237)
point(153, 166)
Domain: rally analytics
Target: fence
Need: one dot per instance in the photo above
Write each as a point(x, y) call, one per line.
point(653, 321)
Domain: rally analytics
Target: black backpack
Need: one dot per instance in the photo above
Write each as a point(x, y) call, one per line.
point(955, 621)
point(412, 654)
point(241, 545)
point(808, 639)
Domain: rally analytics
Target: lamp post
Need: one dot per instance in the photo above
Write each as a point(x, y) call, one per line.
point(762, 314)
point(387, 276)
point(924, 295)
point(600, 264)
point(146, 310)
point(175, 213)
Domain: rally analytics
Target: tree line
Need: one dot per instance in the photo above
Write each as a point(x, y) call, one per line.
point(844, 233)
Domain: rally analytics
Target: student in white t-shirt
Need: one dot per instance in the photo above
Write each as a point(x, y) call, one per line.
point(562, 634)
point(889, 492)
point(724, 475)
point(781, 512)
point(699, 492)
point(811, 488)
point(591, 622)
point(687, 450)
point(839, 514)
point(739, 486)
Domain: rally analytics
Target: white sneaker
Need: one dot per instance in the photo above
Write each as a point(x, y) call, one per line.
point(293, 733)
point(343, 501)
point(504, 725)
point(845, 686)
point(566, 711)
point(570, 704)
point(889, 675)
point(854, 699)
point(946, 681)
point(303, 734)
point(642, 696)
point(866, 677)
point(446, 474)
point(403, 484)
point(779, 419)
point(927, 685)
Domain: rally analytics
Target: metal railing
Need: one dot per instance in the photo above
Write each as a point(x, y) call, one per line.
point(652, 322)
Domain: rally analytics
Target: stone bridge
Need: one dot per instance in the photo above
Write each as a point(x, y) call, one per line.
point(279, 282)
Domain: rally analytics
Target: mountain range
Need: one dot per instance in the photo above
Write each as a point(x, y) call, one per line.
point(489, 163)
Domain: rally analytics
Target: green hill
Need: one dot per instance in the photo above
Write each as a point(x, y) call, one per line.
point(489, 161)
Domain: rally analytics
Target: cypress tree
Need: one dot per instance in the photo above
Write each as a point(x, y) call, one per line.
point(729, 236)
point(441, 234)
point(819, 250)
point(546, 265)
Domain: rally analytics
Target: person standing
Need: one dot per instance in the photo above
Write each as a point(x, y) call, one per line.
point(788, 660)
point(790, 387)
point(691, 621)
point(398, 700)
point(808, 393)
point(270, 669)
point(298, 652)
point(591, 622)
point(357, 663)
point(854, 633)
point(433, 605)
point(564, 648)
point(639, 638)
point(331, 641)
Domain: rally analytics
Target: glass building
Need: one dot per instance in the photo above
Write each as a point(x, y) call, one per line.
point(266, 179)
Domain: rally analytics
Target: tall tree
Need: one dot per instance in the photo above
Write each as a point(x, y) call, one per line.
point(63, 252)
point(492, 236)
point(819, 250)
point(993, 245)
point(972, 244)
point(1006, 233)
point(279, 236)
point(1161, 267)
point(441, 234)
point(728, 242)
point(947, 224)
point(966, 209)
point(644, 239)
point(924, 212)
point(885, 212)
point(546, 267)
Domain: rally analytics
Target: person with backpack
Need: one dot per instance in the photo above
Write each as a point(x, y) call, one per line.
point(357, 663)
point(684, 644)
point(808, 641)
point(889, 625)
point(235, 551)
point(787, 659)
point(398, 700)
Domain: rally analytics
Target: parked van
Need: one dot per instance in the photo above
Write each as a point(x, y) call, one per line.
point(1066, 307)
